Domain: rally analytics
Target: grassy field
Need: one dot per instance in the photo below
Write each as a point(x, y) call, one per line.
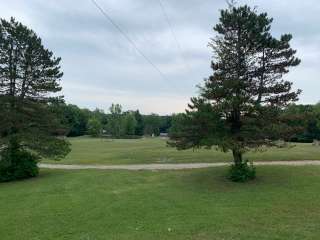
point(87, 150)
point(283, 203)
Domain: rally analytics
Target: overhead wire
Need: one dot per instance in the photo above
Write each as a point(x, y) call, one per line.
point(128, 38)
point(166, 16)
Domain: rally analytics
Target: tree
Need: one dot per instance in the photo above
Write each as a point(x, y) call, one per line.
point(100, 115)
point(129, 124)
point(317, 118)
point(115, 120)
point(239, 107)
point(140, 123)
point(304, 119)
point(76, 119)
point(165, 123)
point(152, 124)
point(29, 83)
point(94, 127)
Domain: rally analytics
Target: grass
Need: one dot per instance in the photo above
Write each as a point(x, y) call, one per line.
point(86, 150)
point(283, 203)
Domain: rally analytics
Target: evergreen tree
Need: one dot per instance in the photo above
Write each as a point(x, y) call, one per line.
point(29, 80)
point(239, 107)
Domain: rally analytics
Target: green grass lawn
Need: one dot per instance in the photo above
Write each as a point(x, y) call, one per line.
point(283, 203)
point(86, 150)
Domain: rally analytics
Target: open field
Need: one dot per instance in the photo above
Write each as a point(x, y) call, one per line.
point(86, 150)
point(283, 203)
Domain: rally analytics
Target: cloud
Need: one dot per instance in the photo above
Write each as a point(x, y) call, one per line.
point(102, 67)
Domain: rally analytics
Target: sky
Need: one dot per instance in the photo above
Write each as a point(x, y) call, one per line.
point(102, 67)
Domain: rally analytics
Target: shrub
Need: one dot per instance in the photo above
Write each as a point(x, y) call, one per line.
point(242, 172)
point(16, 164)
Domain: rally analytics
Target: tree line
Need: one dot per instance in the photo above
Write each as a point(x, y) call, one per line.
point(306, 118)
point(116, 123)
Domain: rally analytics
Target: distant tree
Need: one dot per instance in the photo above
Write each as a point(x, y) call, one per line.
point(152, 125)
point(129, 124)
point(176, 126)
point(304, 118)
point(239, 105)
point(76, 119)
point(139, 130)
point(100, 115)
point(115, 120)
point(29, 83)
point(165, 123)
point(95, 127)
point(317, 116)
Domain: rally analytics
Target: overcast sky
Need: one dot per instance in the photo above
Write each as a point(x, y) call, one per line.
point(101, 67)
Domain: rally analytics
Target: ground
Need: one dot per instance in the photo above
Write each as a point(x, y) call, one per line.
point(86, 150)
point(283, 203)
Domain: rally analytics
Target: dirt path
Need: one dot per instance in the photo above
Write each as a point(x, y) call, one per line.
point(172, 166)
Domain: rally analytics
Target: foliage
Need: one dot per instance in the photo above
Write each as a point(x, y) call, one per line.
point(17, 164)
point(94, 127)
point(115, 120)
point(118, 124)
point(140, 123)
point(152, 125)
point(242, 172)
point(29, 78)
point(165, 124)
point(129, 124)
point(77, 120)
point(307, 119)
point(239, 107)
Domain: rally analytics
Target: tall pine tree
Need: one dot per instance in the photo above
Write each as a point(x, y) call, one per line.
point(29, 82)
point(240, 103)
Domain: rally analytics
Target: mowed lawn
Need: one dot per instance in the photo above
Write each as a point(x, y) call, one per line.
point(283, 203)
point(86, 150)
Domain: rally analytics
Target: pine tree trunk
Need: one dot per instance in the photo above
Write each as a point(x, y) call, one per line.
point(237, 157)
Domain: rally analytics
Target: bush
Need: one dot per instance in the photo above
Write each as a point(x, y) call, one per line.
point(17, 164)
point(242, 172)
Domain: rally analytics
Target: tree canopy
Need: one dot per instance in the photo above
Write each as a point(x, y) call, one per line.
point(240, 104)
point(29, 82)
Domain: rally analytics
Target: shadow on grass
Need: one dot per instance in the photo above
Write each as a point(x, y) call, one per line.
point(43, 175)
point(215, 179)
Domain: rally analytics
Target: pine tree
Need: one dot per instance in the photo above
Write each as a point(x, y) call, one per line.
point(240, 103)
point(29, 83)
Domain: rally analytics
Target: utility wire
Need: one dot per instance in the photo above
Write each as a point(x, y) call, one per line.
point(104, 13)
point(166, 16)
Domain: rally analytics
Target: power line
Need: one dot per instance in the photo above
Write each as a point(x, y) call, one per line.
point(166, 16)
point(104, 13)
